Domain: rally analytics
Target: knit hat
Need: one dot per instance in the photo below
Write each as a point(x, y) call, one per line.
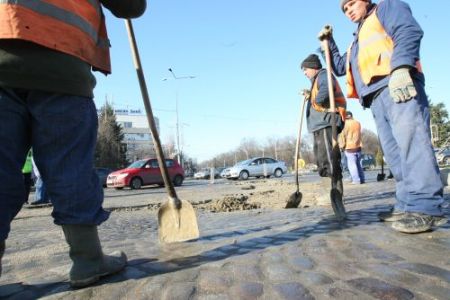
point(343, 2)
point(312, 62)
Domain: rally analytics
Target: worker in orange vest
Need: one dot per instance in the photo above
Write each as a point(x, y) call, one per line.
point(383, 71)
point(48, 50)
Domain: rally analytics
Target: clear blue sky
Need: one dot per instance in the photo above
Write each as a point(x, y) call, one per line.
point(245, 56)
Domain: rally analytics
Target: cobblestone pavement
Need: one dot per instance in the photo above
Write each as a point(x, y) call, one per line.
point(256, 254)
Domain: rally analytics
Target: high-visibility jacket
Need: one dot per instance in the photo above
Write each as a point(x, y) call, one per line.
point(73, 27)
point(350, 137)
point(28, 166)
point(374, 55)
point(339, 99)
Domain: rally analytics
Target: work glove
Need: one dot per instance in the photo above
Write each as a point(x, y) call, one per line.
point(401, 85)
point(306, 94)
point(325, 33)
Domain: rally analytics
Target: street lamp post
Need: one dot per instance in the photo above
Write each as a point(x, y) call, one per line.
point(179, 154)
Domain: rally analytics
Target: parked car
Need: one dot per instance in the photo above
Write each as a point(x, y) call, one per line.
point(257, 167)
point(443, 156)
point(368, 162)
point(145, 172)
point(205, 173)
point(102, 174)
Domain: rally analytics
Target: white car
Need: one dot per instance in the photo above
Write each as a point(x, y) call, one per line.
point(257, 167)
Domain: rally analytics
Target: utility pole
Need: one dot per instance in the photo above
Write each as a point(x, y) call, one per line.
point(179, 150)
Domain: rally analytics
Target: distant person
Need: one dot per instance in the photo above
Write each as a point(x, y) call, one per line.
point(318, 118)
point(48, 50)
point(40, 194)
point(383, 70)
point(27, 172)
point(350, 141)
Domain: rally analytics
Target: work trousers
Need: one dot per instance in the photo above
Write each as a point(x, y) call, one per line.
point(324, 153)
point(355, 167)
point(62, 130)
point(405, 137)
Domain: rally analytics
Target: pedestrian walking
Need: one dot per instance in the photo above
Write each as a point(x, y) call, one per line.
point(318, 118)
point(48, 50)
point(383, 70)
point(26, 173)
point(350, 141)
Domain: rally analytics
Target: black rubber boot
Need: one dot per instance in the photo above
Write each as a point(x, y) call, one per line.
point(2, 250)
point(417, 223)
point(337, 202)
point(89, 262)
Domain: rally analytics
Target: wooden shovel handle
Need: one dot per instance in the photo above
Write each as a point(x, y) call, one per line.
point(148, 109)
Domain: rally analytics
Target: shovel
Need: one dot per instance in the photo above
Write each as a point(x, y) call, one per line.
point(337, 189)
point(295, 198)
point(381, 176)
point(176, 218)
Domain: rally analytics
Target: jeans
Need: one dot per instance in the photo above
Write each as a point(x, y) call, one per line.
point(355, 167)
point(62, 130)
point(405, 137)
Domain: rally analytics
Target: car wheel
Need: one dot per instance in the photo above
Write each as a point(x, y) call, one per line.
point(446, 161)
point(278, 173)
point(119, 188)
point(135, 183)
point(243, 175)
point(178, 180)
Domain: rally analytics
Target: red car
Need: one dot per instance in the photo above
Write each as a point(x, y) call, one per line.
point(145, 172)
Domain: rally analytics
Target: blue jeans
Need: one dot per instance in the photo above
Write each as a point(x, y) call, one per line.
point(62, 129)
point(405, 137)
point(40, 195)
point(354, 166)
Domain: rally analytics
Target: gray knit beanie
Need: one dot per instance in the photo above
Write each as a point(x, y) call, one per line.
point(312, 62)
point(343, 2)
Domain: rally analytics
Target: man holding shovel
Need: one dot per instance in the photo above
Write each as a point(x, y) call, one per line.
point(47, 53)
point(383, 70)
point(319, 122)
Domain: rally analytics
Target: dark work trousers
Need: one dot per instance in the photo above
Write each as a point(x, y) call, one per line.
point(324, 153)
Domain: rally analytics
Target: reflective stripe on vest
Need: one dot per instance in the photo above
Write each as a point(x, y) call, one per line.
point(339, 99)
point(374, 54)
point(73, 27)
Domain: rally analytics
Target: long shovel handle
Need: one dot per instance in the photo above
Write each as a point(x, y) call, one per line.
point(326, 48)
point(148, 109)
point(297, 146)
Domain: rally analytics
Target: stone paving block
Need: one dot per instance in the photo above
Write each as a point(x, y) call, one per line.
point(292, 291)
point(213, 281)
point(314, 278)
point(424, 269)
point(380, 289)
point(300, 263)
point(247, 290)
point(178, 291)
point(244, 272)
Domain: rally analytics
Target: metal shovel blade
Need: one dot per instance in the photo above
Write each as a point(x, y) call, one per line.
point(177, 225)
point(294, 200)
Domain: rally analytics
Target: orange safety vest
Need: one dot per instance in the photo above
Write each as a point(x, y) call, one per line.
point(339, 98)
point(374, 57)
point(73, 27)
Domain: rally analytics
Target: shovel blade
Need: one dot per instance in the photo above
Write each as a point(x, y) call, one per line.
point(294, 200)
point(177, 225)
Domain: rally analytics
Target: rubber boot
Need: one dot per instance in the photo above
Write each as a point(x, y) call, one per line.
point(89, 262)
point(2, 250)
point(337, 201)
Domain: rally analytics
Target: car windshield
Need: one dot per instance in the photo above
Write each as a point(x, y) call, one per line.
point(137, 164)
point(244, 162)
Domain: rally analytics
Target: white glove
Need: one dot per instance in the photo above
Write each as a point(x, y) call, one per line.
point(401, 85)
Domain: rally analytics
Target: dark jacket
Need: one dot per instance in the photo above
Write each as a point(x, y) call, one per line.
point(29, 66)
point(317, 120)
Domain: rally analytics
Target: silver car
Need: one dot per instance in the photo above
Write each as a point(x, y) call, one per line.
point(257, 167)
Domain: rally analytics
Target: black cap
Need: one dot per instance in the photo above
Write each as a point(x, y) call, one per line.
point(312, 62)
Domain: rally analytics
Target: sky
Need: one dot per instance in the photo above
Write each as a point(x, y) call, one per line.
point(245, 57)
